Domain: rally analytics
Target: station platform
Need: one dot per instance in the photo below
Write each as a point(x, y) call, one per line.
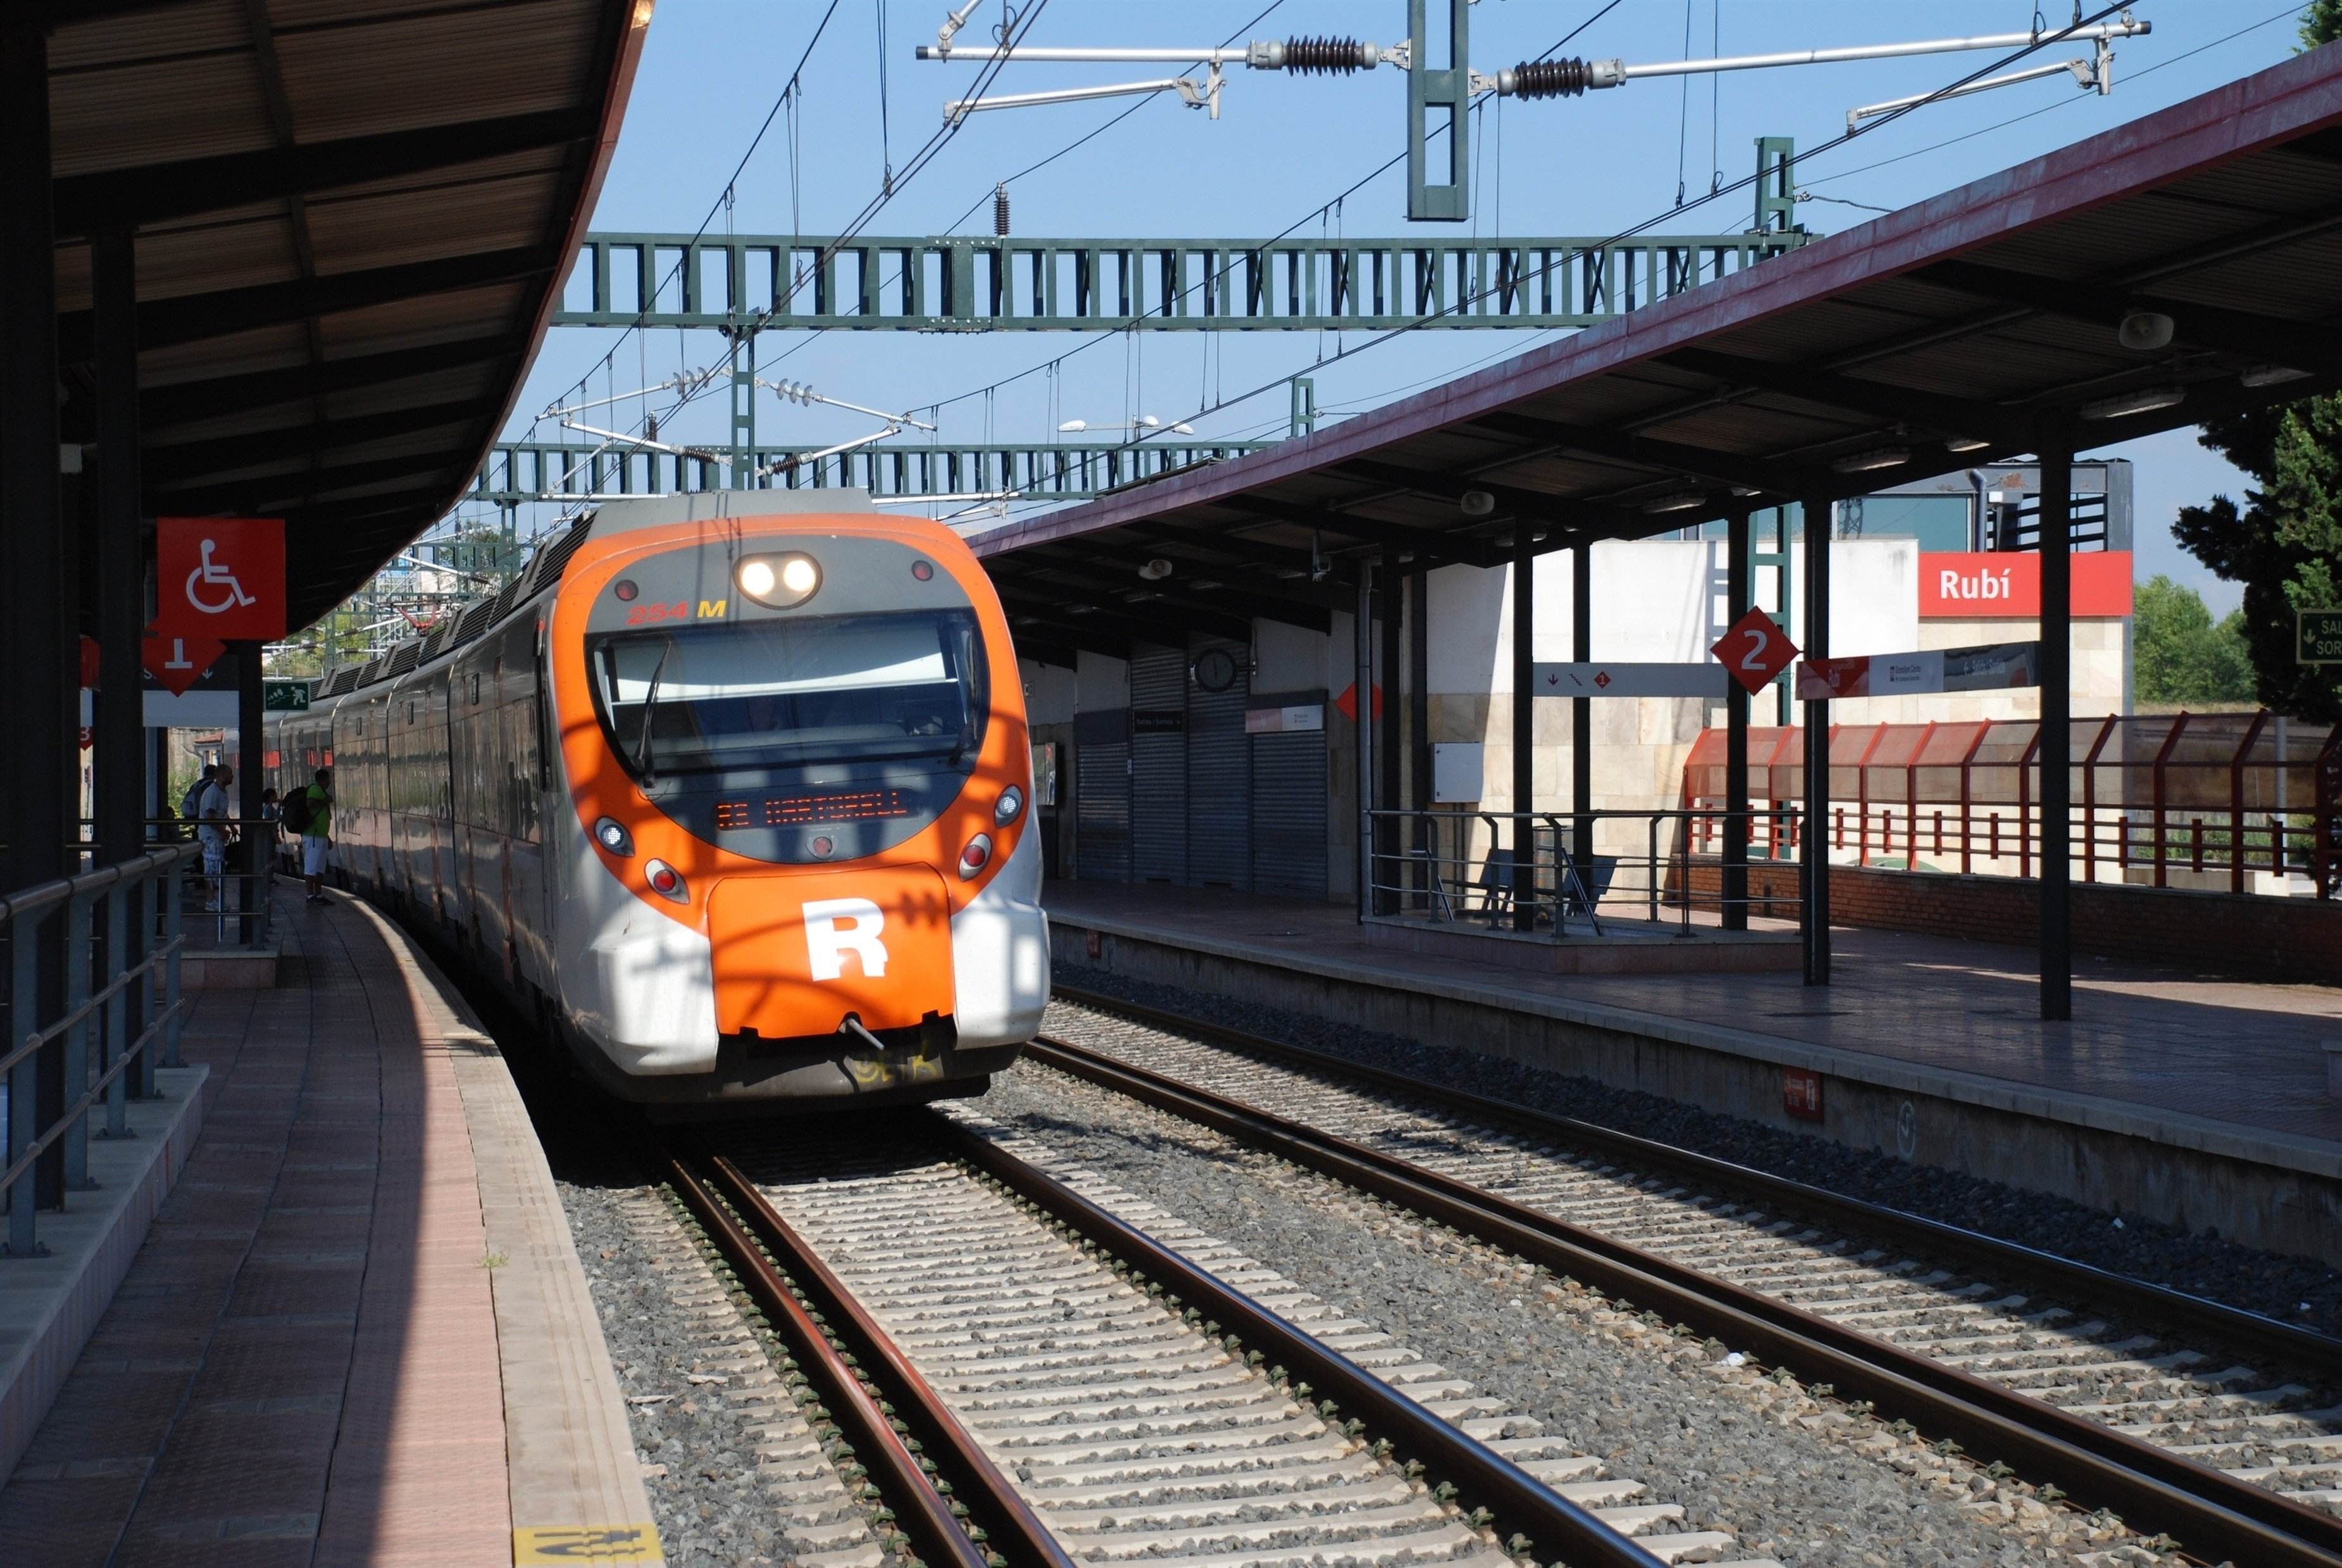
point(2197, 1102)
point(357, 1331)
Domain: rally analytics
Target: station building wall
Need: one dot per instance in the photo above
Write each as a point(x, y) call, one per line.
point(1154, 779)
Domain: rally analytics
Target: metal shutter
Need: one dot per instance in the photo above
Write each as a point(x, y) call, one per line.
point(1219, 777)
point(1102, 796)
point(1158, 764)
point(1288, 808)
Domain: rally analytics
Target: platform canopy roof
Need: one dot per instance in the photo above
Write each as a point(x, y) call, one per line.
point(352, 218)
point(1983, 324)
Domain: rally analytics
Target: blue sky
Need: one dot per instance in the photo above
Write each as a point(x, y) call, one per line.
point(1282, 149)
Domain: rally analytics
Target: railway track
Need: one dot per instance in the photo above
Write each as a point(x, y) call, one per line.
point(2107, 1387)
point(1021, 1348)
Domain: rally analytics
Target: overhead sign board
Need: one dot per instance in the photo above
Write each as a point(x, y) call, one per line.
point(2317, 638)
point(285, 696)
point(1598, 679)
point(1755, 650)
point(220, 577)
point(2005, 585)
point(1995, 667)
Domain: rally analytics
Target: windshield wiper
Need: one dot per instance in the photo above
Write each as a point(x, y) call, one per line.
point(650, 711)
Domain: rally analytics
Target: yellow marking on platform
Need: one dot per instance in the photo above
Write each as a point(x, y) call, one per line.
point(556, 1544)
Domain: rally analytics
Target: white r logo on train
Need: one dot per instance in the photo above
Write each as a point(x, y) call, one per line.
point(826, 945)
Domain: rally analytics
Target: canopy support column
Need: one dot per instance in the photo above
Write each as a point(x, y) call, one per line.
point(1812, 839)
point(1418, 699)
point(1389, 878)
point(1735, 910)
point(36, 812)
point(1363, 753)
point(1581, 709)
point(251, 748)
point(2056, 726)
point(121, 764)
point(1524, 724)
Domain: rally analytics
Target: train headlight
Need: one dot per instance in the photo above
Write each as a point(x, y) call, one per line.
point(612, 835)
point(976, 856)
point(778, 581)
point(1011, 801)
point(666, 881)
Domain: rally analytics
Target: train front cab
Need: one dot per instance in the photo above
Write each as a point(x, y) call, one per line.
point(797, 869)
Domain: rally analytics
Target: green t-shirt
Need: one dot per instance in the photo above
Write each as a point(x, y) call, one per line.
point(320, 824)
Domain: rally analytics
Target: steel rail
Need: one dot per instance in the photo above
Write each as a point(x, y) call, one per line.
point(1011, 1526)
point(921, 1510)
point(1560, 1530)
point(2142, 1298)
point(2212, 1514)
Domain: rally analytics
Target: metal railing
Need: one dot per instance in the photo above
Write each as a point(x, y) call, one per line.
point(1459, 866)
point(2203, 800)
point(243, 913)
point(2196, 848)
point(83, 1017)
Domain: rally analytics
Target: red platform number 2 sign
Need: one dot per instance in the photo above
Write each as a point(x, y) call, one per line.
point(1755, 650)
point(220, 577)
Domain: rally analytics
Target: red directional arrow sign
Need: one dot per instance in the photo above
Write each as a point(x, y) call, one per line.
point(1755, 650)
point(176, 660)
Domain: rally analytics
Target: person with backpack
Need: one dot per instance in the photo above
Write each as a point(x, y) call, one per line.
point(191, 805)
point(310, 813)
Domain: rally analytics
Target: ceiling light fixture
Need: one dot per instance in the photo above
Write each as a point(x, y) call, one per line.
point(1683, 502)
point(1155, 571)
point(1963, 443)
point(2146, 400)
point(1864, 462)
point(2271, 376)
point(2144, 331)
point(1476, 503)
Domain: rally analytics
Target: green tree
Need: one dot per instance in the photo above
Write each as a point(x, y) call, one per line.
point(2179, 656)
point(2284, 542)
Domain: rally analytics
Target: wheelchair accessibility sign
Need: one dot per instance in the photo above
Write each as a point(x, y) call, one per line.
point(221, 577)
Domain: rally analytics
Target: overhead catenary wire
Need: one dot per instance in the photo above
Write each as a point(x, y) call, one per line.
point(1318, 211)
point(1221, 401)
point(2287, 14)
point(1469, 297)
point(693, 389)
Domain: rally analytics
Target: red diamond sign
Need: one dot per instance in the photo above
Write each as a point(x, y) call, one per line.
point(1603, 679)
point(175, 659)
point(1755, 650)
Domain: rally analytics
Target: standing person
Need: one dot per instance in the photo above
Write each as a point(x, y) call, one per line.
point(272, 826)
point(311, 811)
point(214, 814)
point(191, 805)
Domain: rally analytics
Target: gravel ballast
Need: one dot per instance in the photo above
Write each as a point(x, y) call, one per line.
point(2295, 1289)
point(737, 1477)
point(1803, 1481)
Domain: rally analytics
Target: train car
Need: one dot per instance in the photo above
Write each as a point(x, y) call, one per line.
point(731, 790)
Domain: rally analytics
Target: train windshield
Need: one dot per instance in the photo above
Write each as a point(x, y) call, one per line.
point(793, 692)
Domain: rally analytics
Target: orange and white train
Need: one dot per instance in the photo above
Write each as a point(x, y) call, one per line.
point(731, 790)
